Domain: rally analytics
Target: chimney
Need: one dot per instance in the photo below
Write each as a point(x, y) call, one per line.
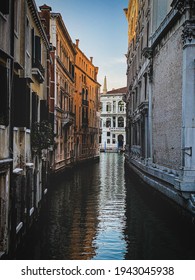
point(45, 18)
point(77, 43)
point(91, 59)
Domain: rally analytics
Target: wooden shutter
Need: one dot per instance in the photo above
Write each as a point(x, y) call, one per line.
point(38, 49)
point(43, 110)
point(4, 7)
point(35, 101)
point(4, 95)
point(33, 45)
point(21, 106)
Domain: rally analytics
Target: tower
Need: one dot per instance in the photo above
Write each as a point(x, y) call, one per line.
point(105, 86)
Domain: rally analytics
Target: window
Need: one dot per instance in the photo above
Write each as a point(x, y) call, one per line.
point(108, 133)
point(27, 35)
point(16, 17)
point(114, 121)
point(114, 106)
point(120, 122)
point(108, 122)
point(113, 135)
point(108, 107)
point(73, 71)
point(18, 199)
point(121, 106)
point(31, 185)
point(21, 102)
point(113, 141)
point(4, 7)
point(36, 47)
point(4, 93)
point(83, 93)
point(61, 99)
point(108, 141)
point(35, 102)
point(43, 110)
point(86, 94)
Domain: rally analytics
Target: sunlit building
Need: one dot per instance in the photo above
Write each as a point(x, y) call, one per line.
point(113, 119)
point(86, 100)
point(63, 78)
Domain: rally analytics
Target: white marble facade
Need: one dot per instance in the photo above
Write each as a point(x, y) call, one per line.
point(113, 120)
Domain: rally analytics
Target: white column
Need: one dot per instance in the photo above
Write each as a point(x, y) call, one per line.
point(150, 121)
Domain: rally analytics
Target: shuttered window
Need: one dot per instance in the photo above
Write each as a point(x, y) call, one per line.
point(43, 110)
point(4, 96)
point(35, 103)
point(37, 49)
point(21, 106)
point(33, 45)
point(4, 7)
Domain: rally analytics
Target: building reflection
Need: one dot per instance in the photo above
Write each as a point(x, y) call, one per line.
point(110, 241)
point(73, 215)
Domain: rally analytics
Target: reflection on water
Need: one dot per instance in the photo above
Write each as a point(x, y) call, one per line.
point(100, 213)
point(109, 240)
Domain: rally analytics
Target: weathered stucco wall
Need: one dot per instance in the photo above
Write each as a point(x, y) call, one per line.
point(167, 101)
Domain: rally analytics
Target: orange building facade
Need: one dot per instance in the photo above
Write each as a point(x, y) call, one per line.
point(63, 80)
point(86, 101)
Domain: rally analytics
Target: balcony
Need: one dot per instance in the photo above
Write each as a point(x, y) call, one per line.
point(38, 71)
point(68, 118)
point(93, 130)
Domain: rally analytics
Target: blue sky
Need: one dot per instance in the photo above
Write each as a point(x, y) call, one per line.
point(101, 27)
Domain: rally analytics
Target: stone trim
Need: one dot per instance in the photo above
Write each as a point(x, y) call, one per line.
point(188, 32)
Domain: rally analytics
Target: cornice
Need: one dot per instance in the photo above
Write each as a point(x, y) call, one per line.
point(60, 21)
point(34, 12)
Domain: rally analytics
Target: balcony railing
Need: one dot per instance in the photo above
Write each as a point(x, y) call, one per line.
point(68, 118)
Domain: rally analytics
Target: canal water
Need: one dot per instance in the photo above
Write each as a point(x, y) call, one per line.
point(103, 212)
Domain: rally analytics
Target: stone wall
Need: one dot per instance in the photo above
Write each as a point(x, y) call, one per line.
point(167, 100)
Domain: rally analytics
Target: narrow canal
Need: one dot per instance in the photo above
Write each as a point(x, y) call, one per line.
point(102, 212)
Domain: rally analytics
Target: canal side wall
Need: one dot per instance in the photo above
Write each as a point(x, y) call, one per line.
point(163, 180)
point(69, 169)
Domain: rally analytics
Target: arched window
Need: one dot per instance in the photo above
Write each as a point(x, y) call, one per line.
point(120, 122)
point(108, 122)
point(121, 106)
point(108, 107)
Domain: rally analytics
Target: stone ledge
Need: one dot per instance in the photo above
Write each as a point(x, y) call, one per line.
point(167, 189)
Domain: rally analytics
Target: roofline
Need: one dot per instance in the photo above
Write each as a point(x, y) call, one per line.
point(58, 16)
point(33, 8)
